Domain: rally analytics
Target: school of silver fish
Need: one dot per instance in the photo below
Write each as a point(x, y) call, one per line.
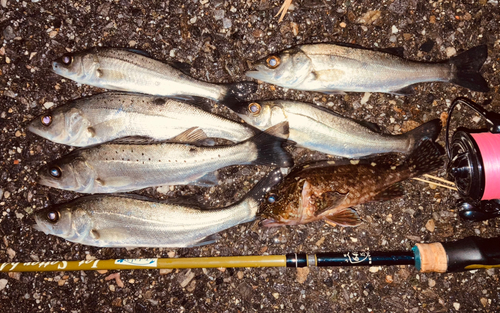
point(140, 137)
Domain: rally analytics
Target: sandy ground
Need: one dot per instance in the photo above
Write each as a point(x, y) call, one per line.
point(218, 38)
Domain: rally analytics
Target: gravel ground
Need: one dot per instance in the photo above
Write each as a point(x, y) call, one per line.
point(218, 38)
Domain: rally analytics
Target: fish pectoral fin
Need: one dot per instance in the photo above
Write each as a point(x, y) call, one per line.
point(330, 200)
point(328, 76)
point(208, 180)
point(346, 217)
point(192, 135)
point(117, 181)
point(109, 235)
point(111, 75)
point(405, 91)
point(393, 191)
point(205, 241)
point(183, 67)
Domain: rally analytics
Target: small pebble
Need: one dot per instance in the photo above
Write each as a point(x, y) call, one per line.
point(240, 274)
point(302, 273)
point(48, 105)
point(450, 51)
point(394, 29)
point(165, 271)
point(456, 305)
point(3, 283)
point(226, 23)
point(6, 194)
point(430, 225)
point(484, 302)
point(374, 269)
point(343, 25)
point(431, 282)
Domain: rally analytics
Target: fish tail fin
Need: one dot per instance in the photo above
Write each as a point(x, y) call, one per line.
point(269, 149)
point(236, 92)
point(426, 131)
point(425, 158)
point(256, 195)
point(466, 66)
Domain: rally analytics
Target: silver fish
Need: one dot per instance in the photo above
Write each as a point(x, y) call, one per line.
point(132, 221)
point(133, 71)
point(331, 68)
point(125, 167)
point(108, 116)
point(320, 129)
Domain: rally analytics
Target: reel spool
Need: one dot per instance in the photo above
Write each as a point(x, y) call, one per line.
point(475, 165)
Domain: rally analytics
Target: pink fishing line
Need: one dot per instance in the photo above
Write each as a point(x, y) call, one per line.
point(489, 145)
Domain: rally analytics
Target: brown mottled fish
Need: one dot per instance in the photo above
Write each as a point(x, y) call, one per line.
point(328, 190)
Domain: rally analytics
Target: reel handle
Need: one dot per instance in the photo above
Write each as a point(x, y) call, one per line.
point(480, 211)
point(457, 256)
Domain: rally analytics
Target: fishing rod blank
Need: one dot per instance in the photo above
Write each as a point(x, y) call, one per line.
point(465, 254)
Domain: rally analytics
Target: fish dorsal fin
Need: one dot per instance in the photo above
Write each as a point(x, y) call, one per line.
point(183, 67)
point(135, 140)
point(186, 200)
point(192, 135)
point(346, 217)
point(141, 52)
point(397, 51)
point(330, 200)
point(405, 91)
point(371, 126)
point(393, 191)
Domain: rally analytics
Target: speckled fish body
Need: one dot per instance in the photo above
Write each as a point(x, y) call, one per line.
point(331, 68)
point(131, 221)
point(328, 190)
point(125, 70)
point(108, 116)
point(112, 168)
point(320, 129)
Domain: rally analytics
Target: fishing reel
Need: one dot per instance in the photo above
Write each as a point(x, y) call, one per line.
point(475, 164)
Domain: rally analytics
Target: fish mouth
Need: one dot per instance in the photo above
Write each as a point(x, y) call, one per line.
point(259, 72)
point(37, 227)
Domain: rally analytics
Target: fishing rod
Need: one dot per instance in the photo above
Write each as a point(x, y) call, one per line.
point(465, 254)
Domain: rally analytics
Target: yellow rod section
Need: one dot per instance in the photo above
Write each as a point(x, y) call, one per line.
point(131, 264)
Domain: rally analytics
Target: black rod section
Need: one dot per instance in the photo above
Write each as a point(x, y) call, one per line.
point(361, 258)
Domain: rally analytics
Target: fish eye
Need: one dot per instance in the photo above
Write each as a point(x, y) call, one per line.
point(46, 120)
point(254, 108)
point(271, 199)
point(67, 59)
point(273, 62)
point(53, 216)
point(55, 172)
